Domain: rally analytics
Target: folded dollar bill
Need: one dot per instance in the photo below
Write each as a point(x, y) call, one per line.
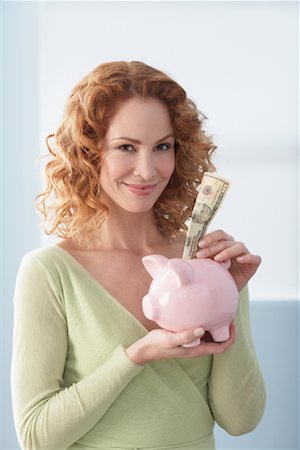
point(211, 193)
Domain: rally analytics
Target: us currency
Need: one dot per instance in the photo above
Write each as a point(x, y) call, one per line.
point(211, 194)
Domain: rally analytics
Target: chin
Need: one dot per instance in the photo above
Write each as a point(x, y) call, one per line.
point(138, 210)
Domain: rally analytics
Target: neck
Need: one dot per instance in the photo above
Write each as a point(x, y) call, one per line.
point(137, 233)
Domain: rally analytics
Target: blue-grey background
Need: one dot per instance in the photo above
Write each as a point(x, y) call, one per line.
point(239, 61)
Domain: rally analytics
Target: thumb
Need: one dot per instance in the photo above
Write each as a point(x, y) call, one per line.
point(187, 336)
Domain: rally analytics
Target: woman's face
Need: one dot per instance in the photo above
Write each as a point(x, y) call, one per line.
point(138, 155)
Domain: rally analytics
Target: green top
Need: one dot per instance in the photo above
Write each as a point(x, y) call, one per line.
point(73, 385)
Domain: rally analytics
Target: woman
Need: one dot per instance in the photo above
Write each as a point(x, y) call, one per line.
point(89, 370)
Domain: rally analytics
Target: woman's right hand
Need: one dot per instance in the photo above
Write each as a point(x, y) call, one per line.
point(163, 344)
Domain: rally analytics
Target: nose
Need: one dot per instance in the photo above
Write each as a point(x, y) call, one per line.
point(145, 166)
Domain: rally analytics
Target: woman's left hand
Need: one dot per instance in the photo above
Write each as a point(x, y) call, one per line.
point(220, 246)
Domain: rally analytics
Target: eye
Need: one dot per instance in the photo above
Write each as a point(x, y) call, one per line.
point(125, 148)
point(163, 146)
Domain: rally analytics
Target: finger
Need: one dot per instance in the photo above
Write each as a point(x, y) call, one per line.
point(249, 259)
point(214, 249)
point(238, 249)
point(214, 236)
point(186, 337)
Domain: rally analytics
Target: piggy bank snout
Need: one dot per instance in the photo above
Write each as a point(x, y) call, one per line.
point(149, 308)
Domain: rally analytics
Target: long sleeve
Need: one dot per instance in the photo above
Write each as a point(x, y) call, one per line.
point(47, 414)
point(237, 391)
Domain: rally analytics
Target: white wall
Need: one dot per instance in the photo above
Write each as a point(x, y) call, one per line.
point(239, 62)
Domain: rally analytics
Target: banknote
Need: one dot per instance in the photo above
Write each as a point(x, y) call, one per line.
point(211, 193)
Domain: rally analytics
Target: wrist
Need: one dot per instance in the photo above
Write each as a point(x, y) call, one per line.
point(136, 352)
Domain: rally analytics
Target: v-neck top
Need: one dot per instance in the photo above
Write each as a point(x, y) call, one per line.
point(74, 386)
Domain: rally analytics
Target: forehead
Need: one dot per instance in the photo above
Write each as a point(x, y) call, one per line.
point(138, 115)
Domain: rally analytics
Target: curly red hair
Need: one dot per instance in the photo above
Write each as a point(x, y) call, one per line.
point(72, 174)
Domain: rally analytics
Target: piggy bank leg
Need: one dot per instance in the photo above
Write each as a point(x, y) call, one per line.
point(220, 334)
point(193, 343)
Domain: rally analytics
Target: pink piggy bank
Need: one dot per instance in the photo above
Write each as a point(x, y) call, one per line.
point(191, 293)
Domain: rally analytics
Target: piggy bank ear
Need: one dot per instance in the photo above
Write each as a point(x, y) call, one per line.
point(182, 271)
point(226, 263)
point(154, 263)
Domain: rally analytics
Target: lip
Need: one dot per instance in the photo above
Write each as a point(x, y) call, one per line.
point(141, 189)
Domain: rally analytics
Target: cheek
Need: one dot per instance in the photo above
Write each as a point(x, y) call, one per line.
point(114, 168)
point(167, 166)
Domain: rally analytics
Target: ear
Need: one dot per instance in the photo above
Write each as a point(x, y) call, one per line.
point(154, 263)
point(182, 271)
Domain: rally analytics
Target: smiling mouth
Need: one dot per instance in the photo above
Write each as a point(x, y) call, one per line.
point(141, 189)
point(141, 186)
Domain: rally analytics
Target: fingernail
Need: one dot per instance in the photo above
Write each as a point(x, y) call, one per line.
point(218, 257)
point(201, 243)
point(201, 252)
point(199, 332)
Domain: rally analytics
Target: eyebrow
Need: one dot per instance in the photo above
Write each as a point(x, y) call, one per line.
point(139, 142)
